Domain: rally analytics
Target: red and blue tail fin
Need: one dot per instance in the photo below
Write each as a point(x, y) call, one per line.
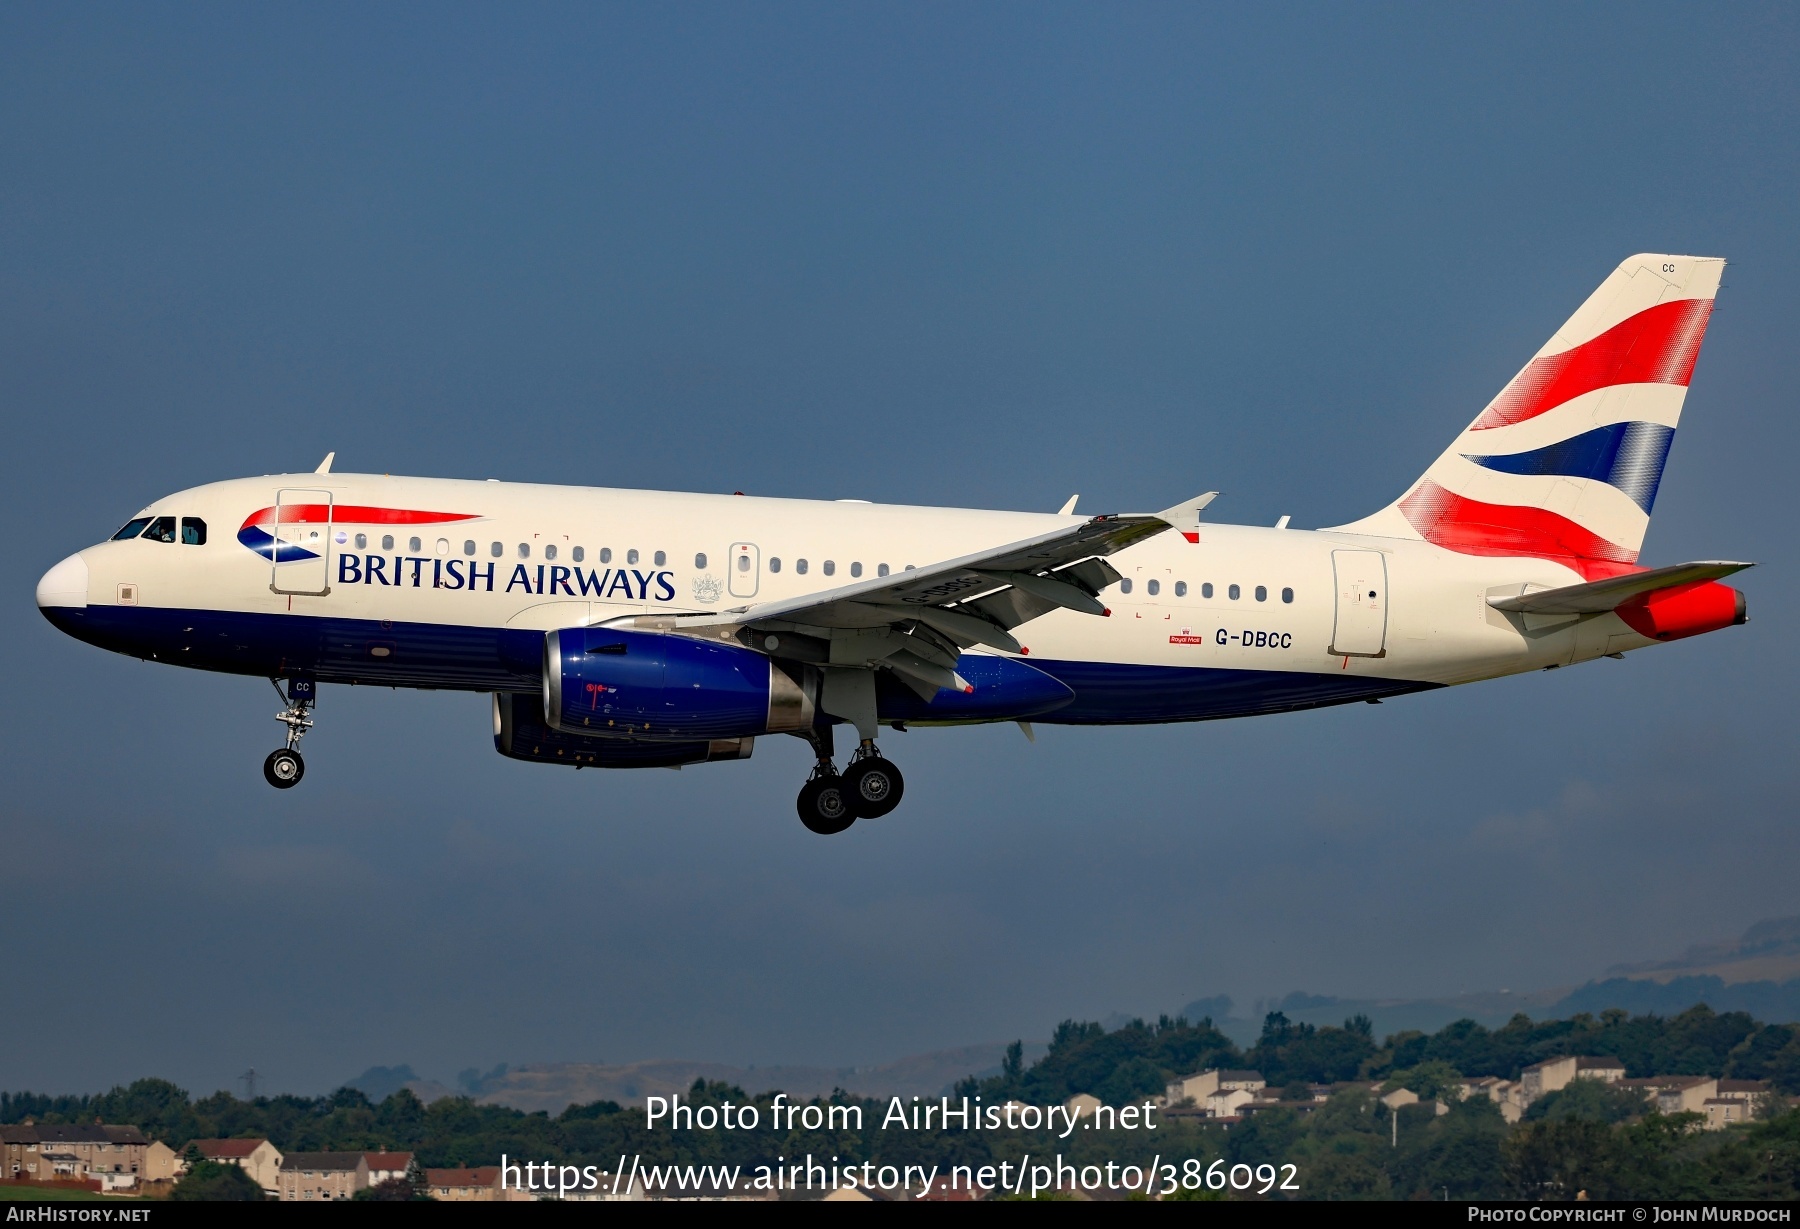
point(1565, 462)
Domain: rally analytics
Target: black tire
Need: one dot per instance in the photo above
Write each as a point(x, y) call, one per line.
point(824, 806)
point(283, 769)
point(874, 786)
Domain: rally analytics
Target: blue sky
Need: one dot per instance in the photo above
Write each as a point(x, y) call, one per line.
point(973, 255)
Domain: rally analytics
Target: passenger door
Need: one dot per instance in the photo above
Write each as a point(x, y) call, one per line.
point(301, 553)
point(1361, 626)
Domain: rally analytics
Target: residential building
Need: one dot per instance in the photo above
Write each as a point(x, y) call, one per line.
point(1554, 1074)
point(386, 1166)
point(1082, 1105)
point(479, 1185)
point(1676, 1094)
point(1504, 1093)
point(311, 1176)
point(256, 1157)
point(117, 1156)
point(1224, 1102)
point(1196, 1088)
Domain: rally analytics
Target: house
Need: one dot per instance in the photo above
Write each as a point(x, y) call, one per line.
point(1225, 1102)
point(117, 1157)
point(386, 1166)
point(1554, 1074)
point(1196, 1088)
point(479, 1185)
point(1676, 1094)
point(602, 1193)
point(1082, 1105)
point(1504, 1093)
point(1721, 1112)
point(256, 1157)
point(308, 1176)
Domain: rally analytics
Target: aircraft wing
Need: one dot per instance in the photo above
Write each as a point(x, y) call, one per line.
point(917, 622)
point(1597, 597)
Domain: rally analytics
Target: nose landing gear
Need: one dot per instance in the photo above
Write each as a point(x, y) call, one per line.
point(284, 767)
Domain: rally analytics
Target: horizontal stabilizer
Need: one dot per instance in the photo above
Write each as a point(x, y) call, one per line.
point(1597, 597)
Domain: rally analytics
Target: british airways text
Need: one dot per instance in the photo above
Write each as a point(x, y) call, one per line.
point(415, 572)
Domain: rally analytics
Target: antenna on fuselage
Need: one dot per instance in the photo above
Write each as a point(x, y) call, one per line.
point(325, 465)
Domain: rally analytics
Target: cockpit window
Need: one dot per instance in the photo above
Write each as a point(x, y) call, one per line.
point(193, 531)
point(162, 529)
point(132, 529)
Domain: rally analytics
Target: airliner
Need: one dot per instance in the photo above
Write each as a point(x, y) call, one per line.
point(641, 629)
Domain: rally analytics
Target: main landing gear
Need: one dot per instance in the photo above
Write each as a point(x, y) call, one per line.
point(284, 768)
point(869, 788)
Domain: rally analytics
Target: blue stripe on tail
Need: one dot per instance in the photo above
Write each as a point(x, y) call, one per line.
point(1626, 455)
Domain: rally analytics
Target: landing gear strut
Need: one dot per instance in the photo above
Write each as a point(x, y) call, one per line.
point(868, 789)
point(284, 768)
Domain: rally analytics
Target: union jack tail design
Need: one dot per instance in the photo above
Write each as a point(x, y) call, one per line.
point(1565, 462)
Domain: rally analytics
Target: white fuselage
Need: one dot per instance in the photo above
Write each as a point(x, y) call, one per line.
point(394, 603)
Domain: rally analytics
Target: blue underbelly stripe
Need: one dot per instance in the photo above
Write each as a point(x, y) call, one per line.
point(450, 657)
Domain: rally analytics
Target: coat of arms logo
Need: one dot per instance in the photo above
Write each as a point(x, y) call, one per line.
point(707, 589)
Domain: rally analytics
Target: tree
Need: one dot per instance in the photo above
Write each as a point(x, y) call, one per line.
point(1595, 1100)
point(393, 1190)
point(1558, 1160)
point(212, 1182)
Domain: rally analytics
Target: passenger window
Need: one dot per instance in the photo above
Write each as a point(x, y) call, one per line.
point(1206, 589)
point(830, 568)
point(387, 541)
point(1262, 593)
point(495, 549)
point(856, 569)
point(524, 550)
point(1153, 588)
point(800, 566)
point(1287, 595)
point(631, 556)
point(1125, 585)
point(362, 541)
point(414, 545)
point(700, 561)
point(578, 554)
point(659, 559)
point(468, 547)
point(1232, 593)
point(774, 563)
point(162, 529)
point(907, 568)
point(193, 531)
point(606, 554)
point(1181, 588)
point(550, 552)
point(443, 546)
point(881, 569)
point(131, 529)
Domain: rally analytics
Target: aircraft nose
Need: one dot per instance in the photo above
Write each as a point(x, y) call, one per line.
point(65, 585)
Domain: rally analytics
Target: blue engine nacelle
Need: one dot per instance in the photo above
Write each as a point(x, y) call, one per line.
point(520, 734)
point(614, 683)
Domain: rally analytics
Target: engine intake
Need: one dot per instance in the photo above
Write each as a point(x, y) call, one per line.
point(647, 685)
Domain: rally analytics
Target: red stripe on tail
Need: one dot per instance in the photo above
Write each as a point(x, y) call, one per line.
point(1470, 527)
point(1659, 345)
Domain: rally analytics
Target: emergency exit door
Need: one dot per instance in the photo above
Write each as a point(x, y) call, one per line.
point(1361, 626)
point(746, 569)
